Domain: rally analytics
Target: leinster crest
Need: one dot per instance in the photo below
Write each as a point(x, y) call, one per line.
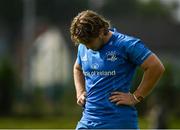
point(111, 56)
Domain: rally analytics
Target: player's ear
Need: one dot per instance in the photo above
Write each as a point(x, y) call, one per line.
point(102, 32)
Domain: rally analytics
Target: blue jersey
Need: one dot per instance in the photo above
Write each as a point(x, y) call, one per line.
point(107, 70)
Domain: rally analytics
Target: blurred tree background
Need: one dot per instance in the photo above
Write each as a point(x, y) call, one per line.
point(37, 56)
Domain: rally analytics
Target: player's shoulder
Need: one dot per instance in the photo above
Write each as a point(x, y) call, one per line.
point(123, 40)
point(81, 47)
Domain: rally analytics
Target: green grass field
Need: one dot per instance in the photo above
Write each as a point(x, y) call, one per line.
point(36, 123)
point(56, 122)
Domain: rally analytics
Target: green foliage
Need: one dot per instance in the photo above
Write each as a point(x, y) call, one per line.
point(136, 8)
point(7, 86)
point(119, 7)
point(153, 9)
point(60, 10)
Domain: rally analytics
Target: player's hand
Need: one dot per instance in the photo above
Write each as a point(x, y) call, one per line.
point(121, 98)
point(81, 99)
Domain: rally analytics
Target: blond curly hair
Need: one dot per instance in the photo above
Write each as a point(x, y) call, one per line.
point(87, 25)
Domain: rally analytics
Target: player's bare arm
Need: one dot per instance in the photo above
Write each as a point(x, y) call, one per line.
point(153, 70)
point(79, 84)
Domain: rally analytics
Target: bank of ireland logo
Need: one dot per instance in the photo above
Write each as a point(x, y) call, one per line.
point(111, 56)
point(95, 66)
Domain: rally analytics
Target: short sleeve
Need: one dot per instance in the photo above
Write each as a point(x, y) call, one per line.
point(137, 52)
point(78, 55)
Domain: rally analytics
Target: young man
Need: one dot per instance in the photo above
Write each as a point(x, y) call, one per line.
point(103, 72)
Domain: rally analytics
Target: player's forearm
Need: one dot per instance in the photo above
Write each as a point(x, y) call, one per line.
point(78, 81)
point(151, 76)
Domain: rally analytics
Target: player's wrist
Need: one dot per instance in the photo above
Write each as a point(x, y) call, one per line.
point(133, 101)
point(138, 97)
point(82, 93)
